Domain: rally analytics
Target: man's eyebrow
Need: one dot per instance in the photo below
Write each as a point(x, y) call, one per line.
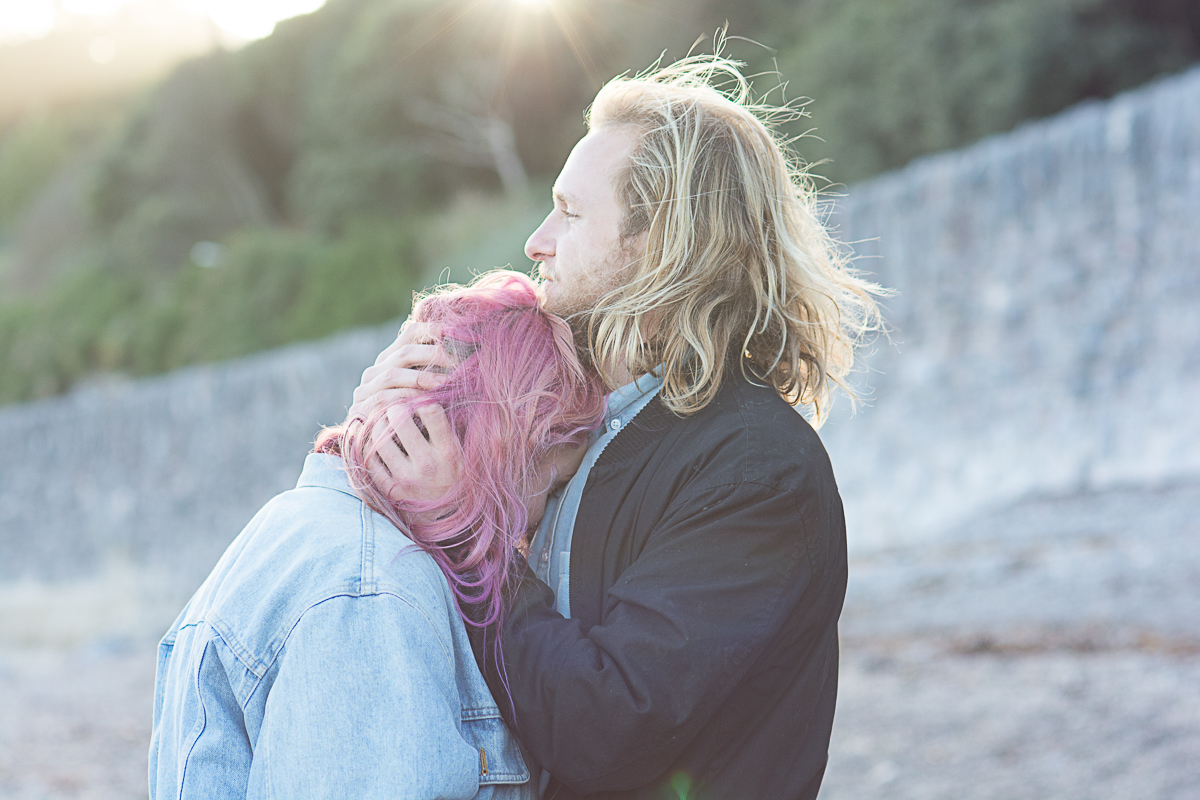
point(567, 200)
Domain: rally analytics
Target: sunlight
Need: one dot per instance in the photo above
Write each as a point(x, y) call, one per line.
point(251, 20)
point(22, 20)
point(533, 3)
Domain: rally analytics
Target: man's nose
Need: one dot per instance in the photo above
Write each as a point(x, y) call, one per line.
point(540, 244)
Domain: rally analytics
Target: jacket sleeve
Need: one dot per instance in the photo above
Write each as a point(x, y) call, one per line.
point(611, 708)
point(365, 705)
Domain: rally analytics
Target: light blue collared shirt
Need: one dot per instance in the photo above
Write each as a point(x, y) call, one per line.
point(550, 552)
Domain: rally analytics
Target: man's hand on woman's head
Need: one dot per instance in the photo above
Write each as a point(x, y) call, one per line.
point(414, 462)
point(402, 369)
point(411, 464)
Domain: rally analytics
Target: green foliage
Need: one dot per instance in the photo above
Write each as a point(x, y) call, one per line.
point(333, 186)
point(295, 150)
point(366, 107)
point(177, 174)
point(894, 80)
point(29, 156)
point(48, 344)
point(273, 287)
point(34, 148)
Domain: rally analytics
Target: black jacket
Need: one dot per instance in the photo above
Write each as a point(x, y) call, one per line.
point(708, 569)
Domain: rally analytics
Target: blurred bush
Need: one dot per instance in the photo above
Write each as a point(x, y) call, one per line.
point(894, 80)
point(266, 288)
point(29, 157)
point(290, 152)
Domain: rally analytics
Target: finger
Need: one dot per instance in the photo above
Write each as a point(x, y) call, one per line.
point(381, 476)
point(381, 437)
point(410, 356)
point(411, 333)
point(383, 479)
point(414, 348)
point(419, 332)
point(363, 408)
point(377, 380)
point(405, 429)
point(437, 426)
point(389, 463)
point(416, 355)
point(396, 344)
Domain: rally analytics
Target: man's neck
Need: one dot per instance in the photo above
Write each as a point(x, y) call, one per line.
point(620, 375)
point(614, 377)
point(617, 372)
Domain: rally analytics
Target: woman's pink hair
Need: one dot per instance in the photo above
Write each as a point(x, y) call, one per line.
point(517, 392)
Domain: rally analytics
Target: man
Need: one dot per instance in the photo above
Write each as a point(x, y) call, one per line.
point(681, 640)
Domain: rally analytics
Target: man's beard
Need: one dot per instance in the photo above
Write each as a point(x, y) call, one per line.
point(585, 313)
point(583, 310)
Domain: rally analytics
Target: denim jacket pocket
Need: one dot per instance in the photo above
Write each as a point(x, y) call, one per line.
point(500, 759)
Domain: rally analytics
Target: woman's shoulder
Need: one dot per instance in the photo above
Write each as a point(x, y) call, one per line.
point(307, 545)
point(356, 549)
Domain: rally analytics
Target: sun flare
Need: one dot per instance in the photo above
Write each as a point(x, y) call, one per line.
point(22, 20)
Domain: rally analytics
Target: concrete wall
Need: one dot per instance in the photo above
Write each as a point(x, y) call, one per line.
point(1047, 322)
point(1047, 342)
point(166, 471)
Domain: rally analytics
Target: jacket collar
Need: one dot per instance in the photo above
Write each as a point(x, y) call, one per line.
point(325, 471)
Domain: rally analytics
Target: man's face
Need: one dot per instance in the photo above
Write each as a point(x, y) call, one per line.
point(579, 244)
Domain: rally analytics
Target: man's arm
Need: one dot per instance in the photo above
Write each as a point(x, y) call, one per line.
point(365, 705)
point(612, 708)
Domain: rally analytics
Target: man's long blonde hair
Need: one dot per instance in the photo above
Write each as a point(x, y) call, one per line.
point(738, 268)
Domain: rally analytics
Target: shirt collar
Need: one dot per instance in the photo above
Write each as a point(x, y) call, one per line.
point(622, 398)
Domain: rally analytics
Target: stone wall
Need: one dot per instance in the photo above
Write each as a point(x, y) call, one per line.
point(166, 471)
point(1046, 342)
point(1046, 322)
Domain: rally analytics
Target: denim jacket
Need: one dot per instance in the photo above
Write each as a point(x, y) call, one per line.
point(324, 658)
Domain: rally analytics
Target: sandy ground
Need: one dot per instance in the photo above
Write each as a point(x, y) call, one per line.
point(75, 725)
point(1051, 650)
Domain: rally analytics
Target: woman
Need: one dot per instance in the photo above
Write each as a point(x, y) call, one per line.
point(326, 654)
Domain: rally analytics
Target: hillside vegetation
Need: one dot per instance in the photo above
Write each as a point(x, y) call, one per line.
point(311, 180)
